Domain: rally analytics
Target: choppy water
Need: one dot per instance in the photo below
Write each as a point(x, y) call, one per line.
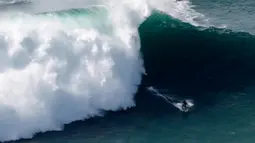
point(63, 62)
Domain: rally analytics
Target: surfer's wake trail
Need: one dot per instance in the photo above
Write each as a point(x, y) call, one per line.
point(65, 66)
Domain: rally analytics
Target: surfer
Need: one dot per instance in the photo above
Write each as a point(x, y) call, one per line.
point(184, 105)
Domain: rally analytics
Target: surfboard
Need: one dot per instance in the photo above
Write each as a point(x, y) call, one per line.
point(171, 100)
point(190, 105)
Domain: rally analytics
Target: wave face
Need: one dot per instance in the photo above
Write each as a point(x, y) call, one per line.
point(60, 67)
point(179, 56)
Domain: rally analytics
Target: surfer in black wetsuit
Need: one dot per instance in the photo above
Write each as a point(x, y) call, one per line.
point(184, 105)
point(185, 108)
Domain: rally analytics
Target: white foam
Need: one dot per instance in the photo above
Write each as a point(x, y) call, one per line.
point(182, 10)
point(52, 74)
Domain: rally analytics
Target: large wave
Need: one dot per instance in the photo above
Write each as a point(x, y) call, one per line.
point(59, 67)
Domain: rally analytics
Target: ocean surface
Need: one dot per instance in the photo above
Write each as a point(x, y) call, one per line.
point(77, 71)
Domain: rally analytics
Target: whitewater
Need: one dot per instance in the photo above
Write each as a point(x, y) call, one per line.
point(58, 67)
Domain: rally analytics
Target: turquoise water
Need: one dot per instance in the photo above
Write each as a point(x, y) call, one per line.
point(213, 66)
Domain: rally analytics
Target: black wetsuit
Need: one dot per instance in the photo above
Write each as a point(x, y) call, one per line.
point(184, 105)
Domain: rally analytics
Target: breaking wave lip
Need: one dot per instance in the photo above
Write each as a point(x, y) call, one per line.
point(61, 67)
